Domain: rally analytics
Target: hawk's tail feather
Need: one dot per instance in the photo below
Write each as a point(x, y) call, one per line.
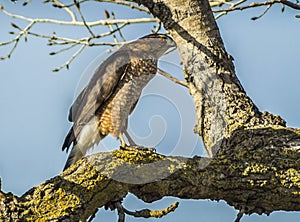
point(75, 155)
point(70, 138)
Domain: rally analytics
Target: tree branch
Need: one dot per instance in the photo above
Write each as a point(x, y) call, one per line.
point(256, 158)
point(85, 41)
point(254, 5)
point(222, 105)
point(78, 23)
point(67, 9)
point(146, 213)
point(66, 64)
point(256, 171)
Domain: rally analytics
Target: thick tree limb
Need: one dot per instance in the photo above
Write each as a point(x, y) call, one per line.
point(221, 103)
point(256, 170)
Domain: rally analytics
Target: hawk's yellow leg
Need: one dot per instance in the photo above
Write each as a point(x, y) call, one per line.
point(123, 142)
point(133, 146)
point(130, 140)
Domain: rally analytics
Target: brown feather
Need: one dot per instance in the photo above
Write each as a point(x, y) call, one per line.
point(104, 105)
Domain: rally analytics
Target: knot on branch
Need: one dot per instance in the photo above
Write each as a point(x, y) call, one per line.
point(164, 14)
point(159, 10)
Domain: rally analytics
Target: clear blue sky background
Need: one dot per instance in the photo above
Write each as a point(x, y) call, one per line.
point(34, 102)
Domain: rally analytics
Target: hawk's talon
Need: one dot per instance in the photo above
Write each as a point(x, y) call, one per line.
point(137, 148)
point(126, 147)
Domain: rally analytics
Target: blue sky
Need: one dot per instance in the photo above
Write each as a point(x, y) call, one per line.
point(35, 101)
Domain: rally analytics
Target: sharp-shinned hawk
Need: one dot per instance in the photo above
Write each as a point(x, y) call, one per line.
point(104, 105)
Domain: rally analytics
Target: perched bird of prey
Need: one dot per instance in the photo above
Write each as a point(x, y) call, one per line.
point(104, 105)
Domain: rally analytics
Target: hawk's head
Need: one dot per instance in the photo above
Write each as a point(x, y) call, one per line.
point(153, 45)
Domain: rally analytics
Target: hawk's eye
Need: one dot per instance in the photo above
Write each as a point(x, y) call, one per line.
point(162, 39)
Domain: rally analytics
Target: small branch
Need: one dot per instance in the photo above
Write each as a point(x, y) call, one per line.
point(157, 28)
point(70, 60)
point(219, 3)
point(26, 2)
point(118, 2)
point(70, 5)
point(107, 15)
point(67, 9)
point(257, 4)
point(77, 23)
point(290, 4)
point(239, 216)
point(146, 213)
point(84, 41)
point(264, 12)
point(117, 27)
point(77, 5)
point(167, 75)
point(55, 40)
point(16, 40)
point(121, 212)
point(126, 3)
point(234, 5)
point(63, 50)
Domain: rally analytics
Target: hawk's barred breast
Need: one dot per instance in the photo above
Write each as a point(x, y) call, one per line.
point(114, 118)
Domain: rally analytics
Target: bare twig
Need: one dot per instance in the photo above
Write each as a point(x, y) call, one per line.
point(85, 40)
point(127, 3)
point(146, 213)
point(26, 2)
point(121, 212)
point(239, 216)
point(78, 23)
point(258, 4)
point(219, 3)
point(63, 50)
point(54, 40)
point(69, 5)
point(117, 26)
point(16, 40)
point(291, 4)
point(157, 28)
point(67, 9)
point(83, 19)
point(107, 16)
point(130, 4)
point(66, 64)
point(262, 14)
point(234, 5)
point(167, 75)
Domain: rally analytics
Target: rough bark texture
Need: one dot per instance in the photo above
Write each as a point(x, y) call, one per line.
point(256, 166)
point(256, 171)
point(221, 103)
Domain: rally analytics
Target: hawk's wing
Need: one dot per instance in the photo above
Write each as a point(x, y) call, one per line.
point(94, 96)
